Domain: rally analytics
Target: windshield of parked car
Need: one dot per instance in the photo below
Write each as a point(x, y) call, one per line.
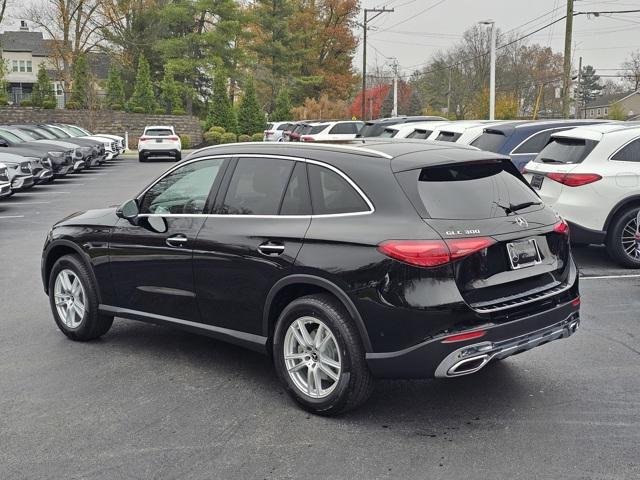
point(24, 136)
point(490, 141)
point(76, 132)
point(44, 133)
point(158, 132)
point(59, 132)
point(566, 150)
point(10, 137)
point(472, 190)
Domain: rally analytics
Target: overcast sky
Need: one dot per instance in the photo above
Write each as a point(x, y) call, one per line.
point(419, 28)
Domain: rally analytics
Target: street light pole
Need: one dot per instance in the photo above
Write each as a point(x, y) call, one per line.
point(492, 77)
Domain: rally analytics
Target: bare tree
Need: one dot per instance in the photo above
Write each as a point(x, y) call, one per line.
point(3, 8)
point(632, 69)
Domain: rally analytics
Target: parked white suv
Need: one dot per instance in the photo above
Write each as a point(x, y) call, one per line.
point(159, 141)
point(417, 130)
point(275, 130)
point(591, 176)
point(331, 131)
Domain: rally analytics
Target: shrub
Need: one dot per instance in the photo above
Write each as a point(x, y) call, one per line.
point(138, 109)
point(220, 130)
point(159, 111)
point(186, 141)
point(257, 137)
point(212, 138)
point(26, 103)
point(228, 138)
point(179, 111)
point(49, 104)
point(116, 106)
point(71, 105)
point(244, 138)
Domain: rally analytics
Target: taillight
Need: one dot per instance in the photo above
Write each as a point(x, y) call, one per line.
point(574, 179)
point(433, 253)
point(143, 138)
point(561, 227)
point(307, 138)
point(268, 132)
point(174, 138)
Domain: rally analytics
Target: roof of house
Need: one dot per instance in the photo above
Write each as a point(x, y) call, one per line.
point(21, 41)
point(606, 100)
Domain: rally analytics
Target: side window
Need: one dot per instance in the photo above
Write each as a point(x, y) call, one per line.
point(419, 134)
point(184, 190)
point(296, 199)
point(257, 187)
point(347, 128)
point(630, 153)
point(535, 143)
point(331, 193)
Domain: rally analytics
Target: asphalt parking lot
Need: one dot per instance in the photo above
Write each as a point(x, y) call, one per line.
point(151, 402)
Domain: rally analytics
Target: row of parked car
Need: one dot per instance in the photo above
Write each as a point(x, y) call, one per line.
point(587, 170)
point(36, 154)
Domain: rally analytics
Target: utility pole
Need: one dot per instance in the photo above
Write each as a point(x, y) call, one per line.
point(492, 73)
point(579, 91)
point(377, 11)
point(394, 112)
point(566, 81)
point(449, 94)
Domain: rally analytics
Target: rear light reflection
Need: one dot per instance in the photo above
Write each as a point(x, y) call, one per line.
point(574, 179)
point(561, 227)
point(576, 302)
point(433, 253)
point(306, 138)
point(464, 336)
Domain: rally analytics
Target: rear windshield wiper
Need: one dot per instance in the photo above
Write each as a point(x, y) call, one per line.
point(550, 160)
point(512, 208)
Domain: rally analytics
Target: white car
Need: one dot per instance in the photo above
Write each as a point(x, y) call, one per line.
point(117, 146)
point(275, 130)
point(591, 176)
point(417, 130)
point(331, 131)
point(159, 141)
point(5, 183)
point(453, 131)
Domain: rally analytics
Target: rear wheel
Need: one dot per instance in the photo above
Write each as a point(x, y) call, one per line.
point(141, 157)
point(74, 300)
point(178, 156)
point(319, 356)
point(623, 239)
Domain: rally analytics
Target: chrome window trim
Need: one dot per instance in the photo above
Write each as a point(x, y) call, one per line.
point(353, 184)
point(315, 145)
point(611, 159)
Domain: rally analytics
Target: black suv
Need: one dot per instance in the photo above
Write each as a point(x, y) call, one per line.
point(344, 263)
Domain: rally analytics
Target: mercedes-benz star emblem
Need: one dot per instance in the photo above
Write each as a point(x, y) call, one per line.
point(521, 222)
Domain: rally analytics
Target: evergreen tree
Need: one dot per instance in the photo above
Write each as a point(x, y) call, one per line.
point(282, 113)
point(115, 87)
point(590, 86)
point(415, 104)
point(387, 104)
point(82, 83)
point(250, 116)
point(170, 92)
point(42, 90)
point(143, 96)
point(221, 113)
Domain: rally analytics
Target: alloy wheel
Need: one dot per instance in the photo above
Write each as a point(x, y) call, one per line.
point(69, 298)
point(312, 357)
point(630, 238)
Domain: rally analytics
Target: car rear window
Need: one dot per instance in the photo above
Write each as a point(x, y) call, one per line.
point(158, 132)
point(445, 136)
point(283, 126)
point(466, 191)
point(389, 133)
point(490, 141)
point(372, 129)
point(420, 134)
point(315, 129)
point(566, 150)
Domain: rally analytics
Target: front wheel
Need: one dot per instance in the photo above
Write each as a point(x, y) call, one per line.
point(74, 300)
point(319, 356)
point(623, 239)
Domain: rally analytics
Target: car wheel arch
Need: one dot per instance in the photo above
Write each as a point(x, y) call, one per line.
point(632, 201)
point(287, 289)
point(59, 249)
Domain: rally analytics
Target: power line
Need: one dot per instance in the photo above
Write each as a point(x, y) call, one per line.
point(416, 14)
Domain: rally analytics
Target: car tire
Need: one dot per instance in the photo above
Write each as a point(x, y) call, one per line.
point(619, 238)
point(141, 158)
point(178, 156)
point(351, 383)
point(80, 324)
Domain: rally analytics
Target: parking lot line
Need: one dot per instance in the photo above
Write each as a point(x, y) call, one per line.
point(26, 203)
point(601, 277)
point(12, 216)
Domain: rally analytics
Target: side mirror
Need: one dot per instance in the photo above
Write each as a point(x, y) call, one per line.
point(128, 210)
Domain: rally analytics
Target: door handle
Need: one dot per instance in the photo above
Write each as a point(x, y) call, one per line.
point(271, 249)
point(177, 240)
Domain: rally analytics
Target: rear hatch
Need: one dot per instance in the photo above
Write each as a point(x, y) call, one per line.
point(551, 170)
point(157, 136)
point(511, 248)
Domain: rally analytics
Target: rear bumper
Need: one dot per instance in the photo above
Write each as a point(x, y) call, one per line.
point(160, 153)
point(433, 358)
point(580, 234)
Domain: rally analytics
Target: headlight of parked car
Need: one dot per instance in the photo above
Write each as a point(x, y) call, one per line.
point(55, 154)
point(46, 161)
